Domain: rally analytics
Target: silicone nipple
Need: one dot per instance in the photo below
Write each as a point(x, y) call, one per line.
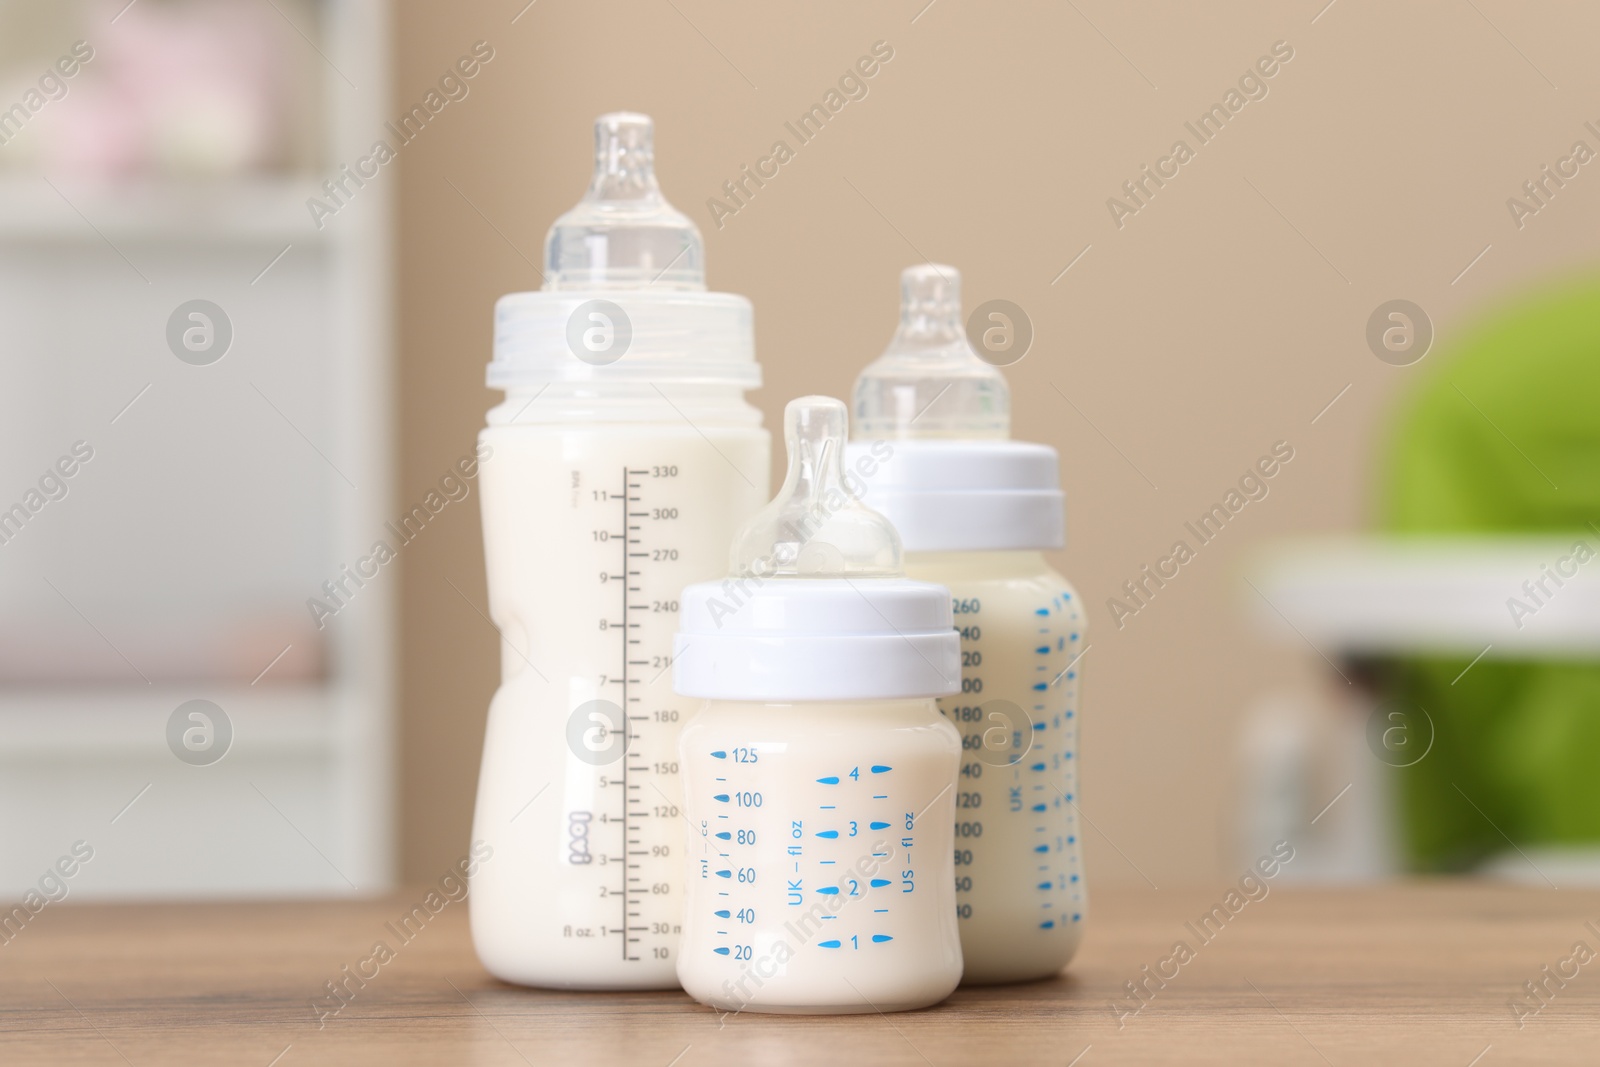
point(930, 382)
point(623, 234)
point(817, 527)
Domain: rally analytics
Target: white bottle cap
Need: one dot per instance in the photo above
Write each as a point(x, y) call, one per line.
point(817, 607)
point(964, 496)
point(624, 288)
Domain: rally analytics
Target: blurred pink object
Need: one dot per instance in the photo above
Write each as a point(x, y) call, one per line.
point(185, 89)
point(59, 648)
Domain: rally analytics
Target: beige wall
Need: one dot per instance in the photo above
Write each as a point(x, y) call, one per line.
point(1219, 319)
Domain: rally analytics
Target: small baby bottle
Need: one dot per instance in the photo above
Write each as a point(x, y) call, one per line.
point(620, 464)
point(975, 511)
point(819, 776)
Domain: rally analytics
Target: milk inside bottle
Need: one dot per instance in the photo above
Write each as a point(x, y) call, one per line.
point(975, 511)
point(621, 463)
point(820, 778)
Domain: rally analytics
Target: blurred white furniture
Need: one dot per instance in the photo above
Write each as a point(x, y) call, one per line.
point(1369, 598)
point(218, 501)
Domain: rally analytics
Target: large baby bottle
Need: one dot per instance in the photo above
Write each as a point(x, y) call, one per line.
point(819, 776)
point(622, 461)
point(975, 511)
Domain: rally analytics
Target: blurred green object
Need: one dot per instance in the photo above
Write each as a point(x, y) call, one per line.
point(1502, 436)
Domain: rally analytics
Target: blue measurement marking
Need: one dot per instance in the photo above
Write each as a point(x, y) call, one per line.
point(880, 911)
point(827, 807)
point(1041, 686)
point(1043, 650)
point(1041, 848)
point(875, 825)
point(830, 834)
point(879, 882)
point(1040, 807)
point(832, 779)
point(724, 874)
point(825, 863)
point(827, 944)
point(723, 835)
point(723, 914)
point(1041, 611)
point(1048, 925)
point(719, 754)
point(723, 797)
point(884, 796)
point(881, 938)
point(1038, 766)
point(829, 890)
point(1047, 885)
point(720, 951)
point(878, 768)
point(722, 779)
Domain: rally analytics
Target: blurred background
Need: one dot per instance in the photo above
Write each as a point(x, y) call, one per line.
point(240, 340)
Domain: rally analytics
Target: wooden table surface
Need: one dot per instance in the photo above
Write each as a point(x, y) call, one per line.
point(1423, 973)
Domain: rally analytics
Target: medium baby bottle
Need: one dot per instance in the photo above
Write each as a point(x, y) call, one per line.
point(975, 511)
point(819, 776)
point(622, 461)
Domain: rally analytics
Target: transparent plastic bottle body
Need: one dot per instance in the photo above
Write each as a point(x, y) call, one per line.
point(820, 856)
point(1019, 877)
point(597, 511)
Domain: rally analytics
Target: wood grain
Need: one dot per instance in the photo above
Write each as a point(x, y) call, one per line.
point(1421, 973)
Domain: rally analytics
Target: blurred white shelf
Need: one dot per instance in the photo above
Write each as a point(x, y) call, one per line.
point(250, 210)
point(284, 811)
point(106, 721)
point(1387, 596)
point(304, 800)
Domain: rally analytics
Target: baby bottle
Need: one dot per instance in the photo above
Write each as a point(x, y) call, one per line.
point(974, 511)
point(622, 461)
point(820, 778)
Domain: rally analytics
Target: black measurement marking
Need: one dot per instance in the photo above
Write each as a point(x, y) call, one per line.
point(637, 813)
point(626, 804)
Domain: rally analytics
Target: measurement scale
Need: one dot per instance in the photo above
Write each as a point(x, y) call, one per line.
point(832, 857)
point(639, 795)
point(1017, 717)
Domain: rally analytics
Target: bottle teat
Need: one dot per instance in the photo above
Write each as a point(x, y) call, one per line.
point(623, 234)
point(930, 382)
point(817, 527)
